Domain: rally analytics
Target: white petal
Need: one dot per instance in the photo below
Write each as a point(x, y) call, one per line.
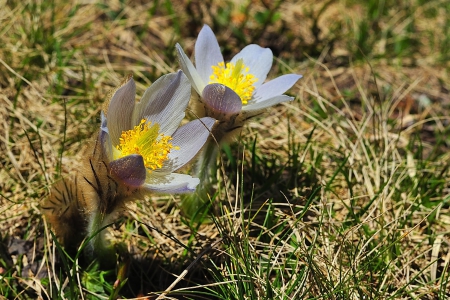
point(105, 139)
point(164, 102)
point(120, 110)
point(267, 103)
point(190, 138)
point(275, 87)
point(258, 59)
point(190, 71)
point(170, 184)
point(207, 53)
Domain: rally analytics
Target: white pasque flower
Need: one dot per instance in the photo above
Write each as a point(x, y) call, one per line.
point(142, 140)
point(244, 75)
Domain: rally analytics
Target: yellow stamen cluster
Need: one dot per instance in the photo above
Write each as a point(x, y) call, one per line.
point(145, 140)
point(236, 77)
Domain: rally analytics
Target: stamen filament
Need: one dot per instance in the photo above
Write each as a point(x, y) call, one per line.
point(144, 139)
point(236, 77)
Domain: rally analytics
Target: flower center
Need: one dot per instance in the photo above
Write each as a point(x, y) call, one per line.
point(145, 140)
point(236, 77)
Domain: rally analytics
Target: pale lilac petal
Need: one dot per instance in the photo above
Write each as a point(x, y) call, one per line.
point(164, 102)
point(221, 99)
point(190, 138)
point(275, 87)
point(105, 139)
point(190, 71)
point(267, 103)
point(258, 60)
point(170, 184)
point(104, 122)
point(207, 53)
point(129, 170)
point(120, 110)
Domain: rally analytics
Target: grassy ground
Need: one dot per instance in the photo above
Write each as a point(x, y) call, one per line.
point(341, 194)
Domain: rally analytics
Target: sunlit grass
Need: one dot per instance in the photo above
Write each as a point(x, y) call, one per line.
point(340, 194)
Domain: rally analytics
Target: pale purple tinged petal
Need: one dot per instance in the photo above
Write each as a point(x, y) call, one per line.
point(120, 110)
point(164, 102)
point(207, 53)
point(105, 139)
point(129, 170)
point(104, 122)
point(267, 103)
point(221, 99)
point(258, 60)
point(275, 87)
point(190, 71)
point(190, 138)
point(171, 184)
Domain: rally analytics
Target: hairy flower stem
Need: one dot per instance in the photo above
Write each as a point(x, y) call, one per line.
point(99, 247)
point(195, 205)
